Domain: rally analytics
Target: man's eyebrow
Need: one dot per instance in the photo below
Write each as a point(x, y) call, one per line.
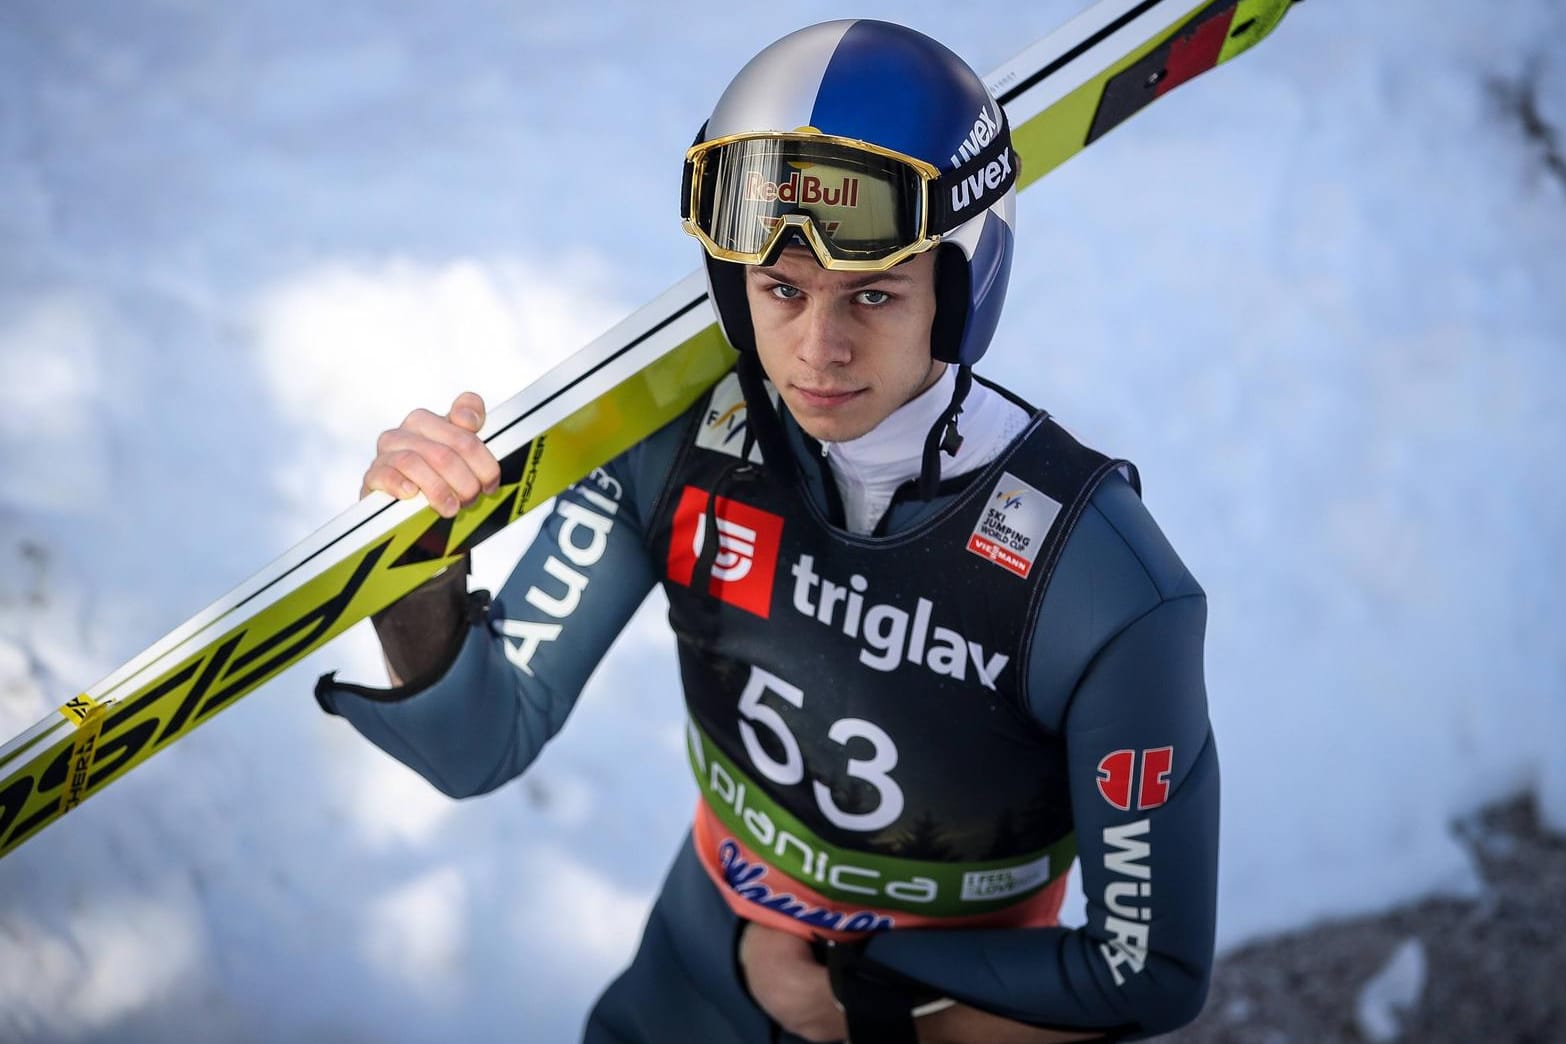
point(891, 275)
point(863, 279)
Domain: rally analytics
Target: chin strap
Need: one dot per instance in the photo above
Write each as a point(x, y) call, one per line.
point(944, 437)
point(763, 426)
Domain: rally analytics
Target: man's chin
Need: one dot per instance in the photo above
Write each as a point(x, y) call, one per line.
point(833, 429)
point(840, 423)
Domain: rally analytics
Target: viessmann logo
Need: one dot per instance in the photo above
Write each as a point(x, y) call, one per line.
point(746, 558)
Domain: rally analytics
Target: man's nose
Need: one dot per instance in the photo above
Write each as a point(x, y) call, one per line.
point(824, 340)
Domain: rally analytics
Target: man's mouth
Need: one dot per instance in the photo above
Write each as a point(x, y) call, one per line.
point(825, 398)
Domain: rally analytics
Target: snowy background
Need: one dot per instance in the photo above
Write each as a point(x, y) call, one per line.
point(1317, 296)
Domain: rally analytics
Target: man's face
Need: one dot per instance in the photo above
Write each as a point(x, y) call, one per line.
point(844, 349)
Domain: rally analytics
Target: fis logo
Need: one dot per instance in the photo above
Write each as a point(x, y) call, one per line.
point(746, 557)
point(727, 428)
point(1009, 500)
point(725, 423)
point(1115, 777)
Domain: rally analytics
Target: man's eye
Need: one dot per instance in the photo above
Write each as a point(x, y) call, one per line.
point(874, 297)
point(784, 292)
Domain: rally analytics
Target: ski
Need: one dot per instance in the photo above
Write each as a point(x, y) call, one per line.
point(1060, 95)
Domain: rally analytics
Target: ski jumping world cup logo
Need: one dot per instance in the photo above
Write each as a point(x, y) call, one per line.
point(1012, 525)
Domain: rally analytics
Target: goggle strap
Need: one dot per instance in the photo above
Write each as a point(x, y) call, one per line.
point(975, 186)
point(685, 178)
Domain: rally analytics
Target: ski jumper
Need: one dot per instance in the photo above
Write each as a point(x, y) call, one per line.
point(901, 738)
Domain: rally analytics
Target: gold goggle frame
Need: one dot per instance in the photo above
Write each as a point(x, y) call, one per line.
point(697, 156)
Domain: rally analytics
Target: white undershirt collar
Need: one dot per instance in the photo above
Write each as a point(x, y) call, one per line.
point(869, 469)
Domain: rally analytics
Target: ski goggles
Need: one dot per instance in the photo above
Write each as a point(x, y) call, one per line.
point(857, 206)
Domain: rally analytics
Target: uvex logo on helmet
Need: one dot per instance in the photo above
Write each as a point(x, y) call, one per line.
point(801, 190)
point(985, 130)
point(987, 178)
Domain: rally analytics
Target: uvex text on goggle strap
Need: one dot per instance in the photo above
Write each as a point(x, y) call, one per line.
point(858, 206)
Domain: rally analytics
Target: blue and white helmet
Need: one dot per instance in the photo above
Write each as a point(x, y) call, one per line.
point(898, 90)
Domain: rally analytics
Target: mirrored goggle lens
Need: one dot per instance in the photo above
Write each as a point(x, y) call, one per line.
point(863, 206)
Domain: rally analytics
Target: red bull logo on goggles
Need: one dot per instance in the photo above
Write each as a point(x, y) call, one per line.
point(806, 191)
point(857, 206)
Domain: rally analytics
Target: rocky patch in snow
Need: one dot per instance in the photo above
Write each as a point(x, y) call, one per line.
point(1433, 972)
